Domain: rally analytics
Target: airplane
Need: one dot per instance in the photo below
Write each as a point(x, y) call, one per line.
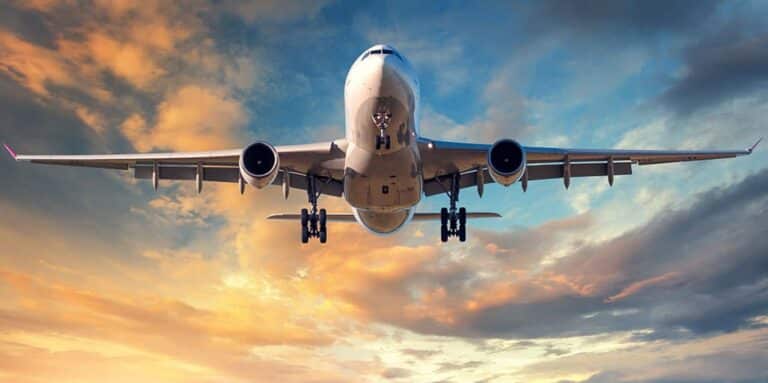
point(382, 167)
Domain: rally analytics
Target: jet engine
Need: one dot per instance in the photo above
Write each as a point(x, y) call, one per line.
point(506, 161)
point(259, 164)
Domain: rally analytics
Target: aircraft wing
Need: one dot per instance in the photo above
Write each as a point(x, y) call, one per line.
point(443, 159)
point(325, 160)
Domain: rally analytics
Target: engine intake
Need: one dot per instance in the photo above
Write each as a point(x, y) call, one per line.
point(506, 161)
point(259, 164)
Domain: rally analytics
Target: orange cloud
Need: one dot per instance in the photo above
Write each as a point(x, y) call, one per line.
point(33, 66)
point(197, 118)
point(661, 280)
point(191, 118)
point(127, 60)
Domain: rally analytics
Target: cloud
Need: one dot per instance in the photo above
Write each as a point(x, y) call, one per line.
point(189, 119)
point(471, 364)
point(630, 18)
point(731, 357)
point(396, 373)
point(711, 279)
point(272, 11)
point(546, 281)
point(34, 66)
point(98, 272)
point(636, 287)
point(719, 68)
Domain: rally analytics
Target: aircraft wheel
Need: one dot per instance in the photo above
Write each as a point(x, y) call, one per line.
point(444, 233)
point(462, 216)
point(304, 217)
point(444, 216)
point(304, 234)
point(462, 233)
point(323, 235)
point(323, 218)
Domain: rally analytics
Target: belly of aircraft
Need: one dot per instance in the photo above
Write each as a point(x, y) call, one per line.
point(382, 183)
point(383, 223)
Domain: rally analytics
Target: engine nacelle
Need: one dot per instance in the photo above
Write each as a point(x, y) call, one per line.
point(506, 161)
point(259, 164)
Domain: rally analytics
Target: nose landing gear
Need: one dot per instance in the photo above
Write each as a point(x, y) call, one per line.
point(313, 222)
point(453, 222)
point(381, 120)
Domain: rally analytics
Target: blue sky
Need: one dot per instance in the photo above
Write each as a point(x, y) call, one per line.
point(661, 278)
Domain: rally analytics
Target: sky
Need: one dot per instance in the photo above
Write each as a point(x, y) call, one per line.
point(661, 278)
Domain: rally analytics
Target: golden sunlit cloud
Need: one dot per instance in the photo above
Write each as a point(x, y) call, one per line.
point(187, 287)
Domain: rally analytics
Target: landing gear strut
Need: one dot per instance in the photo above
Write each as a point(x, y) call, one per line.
point(453, 222)
point(313, 221)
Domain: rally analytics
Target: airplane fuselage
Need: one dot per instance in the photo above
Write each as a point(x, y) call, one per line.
point(382, 176)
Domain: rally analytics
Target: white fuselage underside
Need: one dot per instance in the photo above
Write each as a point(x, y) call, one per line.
point(382, 175)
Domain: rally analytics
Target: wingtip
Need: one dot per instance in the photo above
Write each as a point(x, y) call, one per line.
point(10, 151)
point(751, 148)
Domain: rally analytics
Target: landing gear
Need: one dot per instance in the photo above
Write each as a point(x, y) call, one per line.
point(381, 120)
point(313, 222)
point(453, 222)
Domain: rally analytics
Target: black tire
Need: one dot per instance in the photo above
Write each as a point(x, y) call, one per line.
point(304, 234)
point(388, 143)
point(323, 235)
point(443, 233)
point(444, 216)
point(462, 233)
point(323, 219)
point(462, 216)
point(304, 217)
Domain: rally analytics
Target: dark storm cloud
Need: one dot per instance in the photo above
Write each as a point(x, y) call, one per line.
point(715, 257)
point(718, 68)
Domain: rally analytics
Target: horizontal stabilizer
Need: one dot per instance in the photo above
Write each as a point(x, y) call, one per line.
point(345, 217)
point(436, 216)
point(331, 217)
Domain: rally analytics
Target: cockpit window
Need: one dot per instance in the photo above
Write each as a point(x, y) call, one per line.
point(379, 52)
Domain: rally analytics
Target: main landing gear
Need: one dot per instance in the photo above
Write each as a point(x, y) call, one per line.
point(313, 222)
point(453, 222)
